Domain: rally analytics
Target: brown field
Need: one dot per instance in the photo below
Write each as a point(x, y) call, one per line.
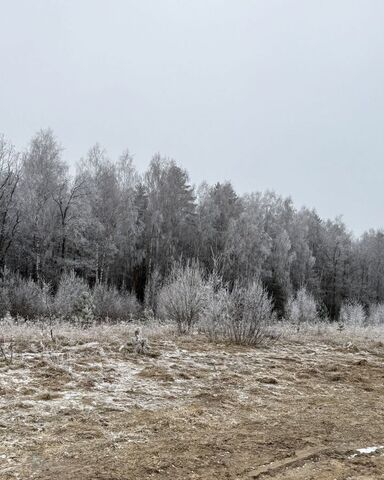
point(78, 407)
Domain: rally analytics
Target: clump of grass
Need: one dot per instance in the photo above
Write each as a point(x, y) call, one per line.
point(34, 338)
point(47, 396)
point(268, 380)
point(351, 336)
point(156, 373)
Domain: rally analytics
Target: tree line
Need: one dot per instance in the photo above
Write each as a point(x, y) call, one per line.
point(111, 225)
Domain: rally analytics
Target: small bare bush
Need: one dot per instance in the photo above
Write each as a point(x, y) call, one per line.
point(130, 306)
point(28, 299)
point(249, 316)
point(108, 302)
point(152, 289)
point(73, 299)
point(352, 314)
point(302, 308)
point(242, 316)
point(376, 314)
point(216, 308)
point(183, 298)
point(5, 304)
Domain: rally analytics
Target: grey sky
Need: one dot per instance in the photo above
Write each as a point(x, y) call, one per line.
point(279, 94)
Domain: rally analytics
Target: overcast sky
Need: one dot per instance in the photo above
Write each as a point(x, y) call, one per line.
point(285, 95)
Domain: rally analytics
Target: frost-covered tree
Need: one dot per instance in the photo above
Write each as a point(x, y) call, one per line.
point(170, 223)
point(9, 209)
point(218, 207)
point(248, 245)
point(302, 307)
point(124, 231)
point(42, 176)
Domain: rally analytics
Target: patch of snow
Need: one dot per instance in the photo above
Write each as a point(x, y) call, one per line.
point(367, 451)
point(370, 449)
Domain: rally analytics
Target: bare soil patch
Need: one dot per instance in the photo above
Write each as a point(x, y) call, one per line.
point(194, 410)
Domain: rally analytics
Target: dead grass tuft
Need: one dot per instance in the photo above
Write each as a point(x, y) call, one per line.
point(336, 377)
point(268, 380)
point(156, 373)
point(47, 396)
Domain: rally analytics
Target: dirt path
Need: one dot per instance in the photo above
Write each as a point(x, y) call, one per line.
point(194, 411)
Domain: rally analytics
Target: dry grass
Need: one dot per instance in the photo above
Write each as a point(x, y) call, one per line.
point(349, 335)
point(79, 407)
point(59, 333)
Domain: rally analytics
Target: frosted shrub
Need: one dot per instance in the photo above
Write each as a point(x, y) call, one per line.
point(108, 302)
point(302, 308)
point(73, 298)
point(130, 305)
point(241, 316)
point(83, 308)
point(249, 315)
point(376, 315)
point(28, 299)
point(216, 308)
point(5, 303)
point(182, 299)
point(152, 289)
point(352, 313)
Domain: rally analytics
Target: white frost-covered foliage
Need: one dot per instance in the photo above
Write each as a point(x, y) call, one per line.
point(250, 314)
point(108, 302)
point(152, 289)
point(23, 297)
point(216, 308)
point(73, 301)
point(302, 308)
point(73, 298)
point(28, 299)
point(5, 304)
point(352, 313)
point(241, 316)
point(376, 314)
point(183, 297)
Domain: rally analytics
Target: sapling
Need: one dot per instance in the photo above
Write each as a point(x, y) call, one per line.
point(138, 343)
